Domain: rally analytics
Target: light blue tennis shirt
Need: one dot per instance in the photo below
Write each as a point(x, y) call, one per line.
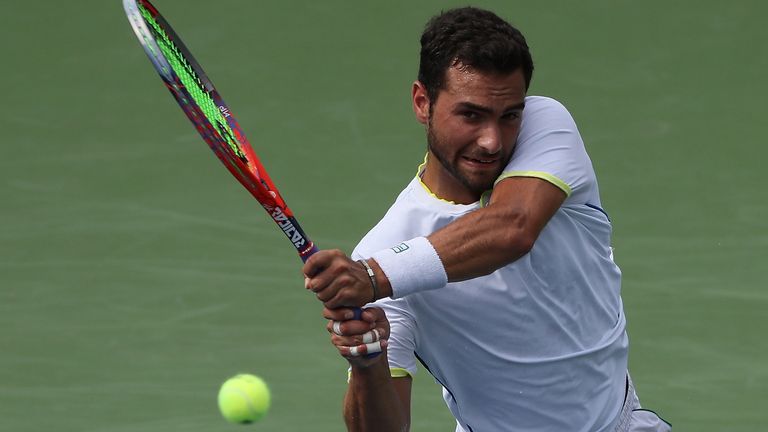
point(540, 344)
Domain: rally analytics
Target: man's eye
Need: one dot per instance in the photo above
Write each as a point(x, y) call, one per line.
point(514, 115)
point(470, 115)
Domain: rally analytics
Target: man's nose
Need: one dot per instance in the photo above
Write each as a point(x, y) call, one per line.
point(490, 139)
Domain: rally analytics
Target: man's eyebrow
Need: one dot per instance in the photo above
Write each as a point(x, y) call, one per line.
point(484, 109)
point(516, 107)
point(473, 107)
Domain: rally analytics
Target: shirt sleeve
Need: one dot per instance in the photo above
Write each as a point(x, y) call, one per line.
point(550, 147)
point(402, 338)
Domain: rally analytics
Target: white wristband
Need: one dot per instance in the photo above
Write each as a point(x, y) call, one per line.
point(412, 266)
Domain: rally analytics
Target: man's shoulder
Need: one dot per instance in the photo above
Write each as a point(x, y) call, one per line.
point(550, 146)
point(543, 101)
point(546, 112)
point(414, 213)
point(392, 227)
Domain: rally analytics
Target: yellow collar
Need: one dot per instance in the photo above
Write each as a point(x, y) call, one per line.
point(484, 199)
point(420, 172)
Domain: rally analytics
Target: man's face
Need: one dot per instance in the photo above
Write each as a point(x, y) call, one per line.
point(471, 131)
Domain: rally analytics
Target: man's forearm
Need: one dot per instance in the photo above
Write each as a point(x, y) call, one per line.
point(372, 403)
point(475, 244)
point(481, 242)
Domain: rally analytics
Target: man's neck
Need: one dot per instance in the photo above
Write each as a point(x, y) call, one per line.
point(440, 183)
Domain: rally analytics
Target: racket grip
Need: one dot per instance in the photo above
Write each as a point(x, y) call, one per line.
point(306, 253)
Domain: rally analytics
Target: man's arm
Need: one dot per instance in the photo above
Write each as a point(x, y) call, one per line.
point(375, 401)
point(473, 245)
point(494, 236)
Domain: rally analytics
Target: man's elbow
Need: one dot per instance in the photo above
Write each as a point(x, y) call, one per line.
point(517, 237)
point(516, 243)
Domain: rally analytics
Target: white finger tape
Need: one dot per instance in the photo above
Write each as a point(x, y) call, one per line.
point(337, 327)
point(370, 348)
point(371, 336)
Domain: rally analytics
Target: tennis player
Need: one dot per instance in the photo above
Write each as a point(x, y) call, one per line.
point(511, 300)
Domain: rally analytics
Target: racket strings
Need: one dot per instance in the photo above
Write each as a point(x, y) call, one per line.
point(193, 84)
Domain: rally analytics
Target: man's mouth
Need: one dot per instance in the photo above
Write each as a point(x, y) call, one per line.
point(483, 161)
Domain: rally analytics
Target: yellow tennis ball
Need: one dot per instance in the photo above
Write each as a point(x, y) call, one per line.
point(244, 398)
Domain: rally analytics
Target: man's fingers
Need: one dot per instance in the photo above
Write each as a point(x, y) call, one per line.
point(373, 314)
point(340, 314)
point(369, 314)
point(320, 261)
point(369, 348)
point(350, 327)
point(314, 264)
point(336, 328)
point(339, 338)
point(345, 340)
point(365, 349)
point(360, 336)
point(337, 280)
point(371, 336)
point(346, 294)
point(332, 303)
point(323, 295)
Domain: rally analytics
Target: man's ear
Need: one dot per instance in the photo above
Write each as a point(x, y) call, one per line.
point(420, 102)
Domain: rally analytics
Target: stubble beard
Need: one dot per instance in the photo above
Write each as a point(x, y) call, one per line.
point(475, 187)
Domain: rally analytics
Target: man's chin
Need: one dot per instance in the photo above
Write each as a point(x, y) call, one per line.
point(478, 187)
point(481, 182)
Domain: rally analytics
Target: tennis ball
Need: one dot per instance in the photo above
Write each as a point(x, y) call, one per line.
point(244, 398)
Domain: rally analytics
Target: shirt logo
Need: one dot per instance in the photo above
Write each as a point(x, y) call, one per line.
point(402, 247)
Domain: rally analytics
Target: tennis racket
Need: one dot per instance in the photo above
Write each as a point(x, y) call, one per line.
point(212, 118)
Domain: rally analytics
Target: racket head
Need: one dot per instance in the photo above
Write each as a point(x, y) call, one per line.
point(196, 95)
point(198, 98)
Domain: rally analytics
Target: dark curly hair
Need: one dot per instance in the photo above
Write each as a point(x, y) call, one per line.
point(471, 37)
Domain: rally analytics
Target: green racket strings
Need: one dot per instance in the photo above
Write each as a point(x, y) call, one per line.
point(193, 84)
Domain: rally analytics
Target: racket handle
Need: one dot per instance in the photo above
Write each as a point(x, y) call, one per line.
point(305, 254)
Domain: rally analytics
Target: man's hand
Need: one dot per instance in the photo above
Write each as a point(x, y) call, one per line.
point(356, 338)
point(338, 281)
